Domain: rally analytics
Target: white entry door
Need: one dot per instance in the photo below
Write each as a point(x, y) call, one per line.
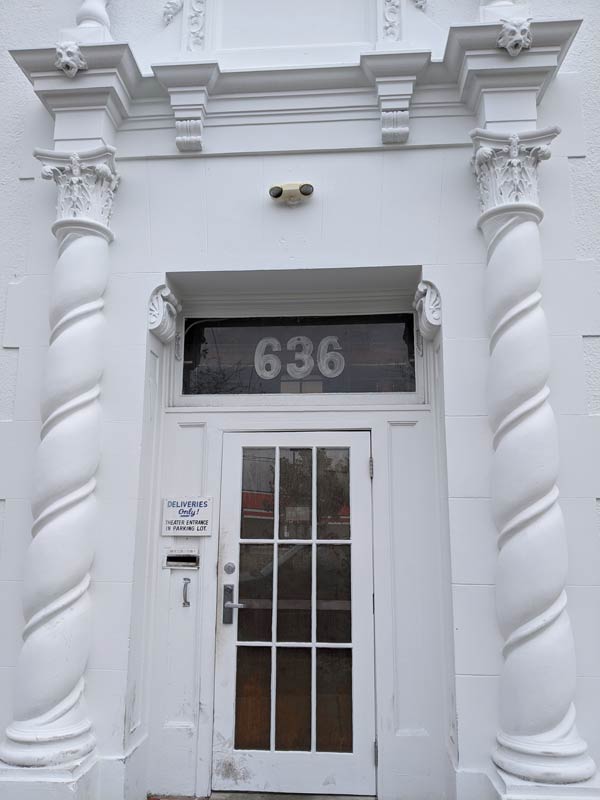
point(294, 685)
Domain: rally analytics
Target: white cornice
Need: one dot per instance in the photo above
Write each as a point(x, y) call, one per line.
point(112, 79)
point(401, 84)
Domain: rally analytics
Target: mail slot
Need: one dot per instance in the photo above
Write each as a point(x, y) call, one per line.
point(182, 559)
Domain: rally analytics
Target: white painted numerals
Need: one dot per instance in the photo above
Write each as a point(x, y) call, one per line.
point(330, 360)
point(267, 365)
point(303, 357)
point(331, 363)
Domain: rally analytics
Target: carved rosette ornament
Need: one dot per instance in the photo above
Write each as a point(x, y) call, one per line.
point(538, 738)
point(162, 313)
point(51, 726)
point(428, 306)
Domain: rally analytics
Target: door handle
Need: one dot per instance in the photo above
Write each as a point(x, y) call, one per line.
point(228, 604)
point(186, 585)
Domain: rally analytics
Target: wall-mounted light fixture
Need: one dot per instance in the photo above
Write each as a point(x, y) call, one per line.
point(291, 193)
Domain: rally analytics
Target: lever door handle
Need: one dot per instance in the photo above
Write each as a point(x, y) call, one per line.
point(186, 585)
point(228, 604)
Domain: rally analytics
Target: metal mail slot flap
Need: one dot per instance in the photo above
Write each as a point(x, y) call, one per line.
point(182, 559)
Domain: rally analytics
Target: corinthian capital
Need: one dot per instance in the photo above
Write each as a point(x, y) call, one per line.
point(505, 165)
point(86, 183)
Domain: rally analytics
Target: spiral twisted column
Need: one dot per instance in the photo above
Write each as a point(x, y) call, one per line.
point(51, 726)
point(538, 738)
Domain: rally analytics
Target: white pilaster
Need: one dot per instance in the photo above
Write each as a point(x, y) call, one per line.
point(51, 728)
point(538, 739)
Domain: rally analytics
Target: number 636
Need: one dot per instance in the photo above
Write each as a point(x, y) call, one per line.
point(330, 361)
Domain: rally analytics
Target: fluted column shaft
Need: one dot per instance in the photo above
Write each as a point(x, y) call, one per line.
point(538, 739)
point(51, 726)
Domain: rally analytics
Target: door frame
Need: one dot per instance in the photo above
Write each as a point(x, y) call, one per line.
point(407, 742)
point(285, 771)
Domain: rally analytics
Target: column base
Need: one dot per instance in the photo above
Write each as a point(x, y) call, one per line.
point(511, 788)
point(34, 783)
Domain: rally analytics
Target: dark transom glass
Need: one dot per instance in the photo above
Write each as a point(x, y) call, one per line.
point(299, 355)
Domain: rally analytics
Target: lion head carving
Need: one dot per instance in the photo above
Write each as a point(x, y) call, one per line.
point(69, 58)
point(515, 35)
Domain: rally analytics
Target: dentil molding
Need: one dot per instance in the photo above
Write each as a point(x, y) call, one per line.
point(505, 165)
point(428, 306)
point(86, 183)
point(162, 313)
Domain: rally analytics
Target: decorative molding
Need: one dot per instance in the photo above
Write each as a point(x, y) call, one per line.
point(428, 306)
point(420, 4)
point(515, 36)
point(538, 739)
point(69, 59)
point(394, 96)
point(394, 126)
point(51, 726)
point(505, 165)
point(391, 19)
point(86, 183)
point(197, 25)
point(162, 313)
point(188, 135)
point(170, 10)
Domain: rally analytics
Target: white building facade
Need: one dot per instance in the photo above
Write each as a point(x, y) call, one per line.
point(300, 413)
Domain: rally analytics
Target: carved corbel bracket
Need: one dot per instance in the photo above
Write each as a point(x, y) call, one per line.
point(188, 135)
point(162, 313)
point(394, 101)
point(428, 305)
point(189, 94)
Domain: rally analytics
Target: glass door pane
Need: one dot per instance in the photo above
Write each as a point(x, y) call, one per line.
point(294, 633)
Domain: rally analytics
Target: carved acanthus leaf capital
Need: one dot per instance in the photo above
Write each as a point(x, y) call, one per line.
point(162, 313)
point(86, 183)
point(505, 165)
point(428, 305)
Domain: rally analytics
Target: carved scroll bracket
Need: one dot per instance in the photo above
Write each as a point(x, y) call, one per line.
point(162, 313)
point(428, 305)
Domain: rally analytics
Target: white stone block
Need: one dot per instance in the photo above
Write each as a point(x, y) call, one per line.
point(466, 364)
point(105, 689)
point(582, 519)
point(20, 440)
point(11, 622)
point(477, 640)
point(567, 383)
point(473, 540)
point(579, 440)
point(110, 634)
point(477, 711)
point(469, 449)
point(584, 611)
point(15, 535)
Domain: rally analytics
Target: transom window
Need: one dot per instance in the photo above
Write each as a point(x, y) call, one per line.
point(299, 355)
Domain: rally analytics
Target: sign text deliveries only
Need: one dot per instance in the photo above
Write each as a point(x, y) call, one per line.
point(187, 516)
